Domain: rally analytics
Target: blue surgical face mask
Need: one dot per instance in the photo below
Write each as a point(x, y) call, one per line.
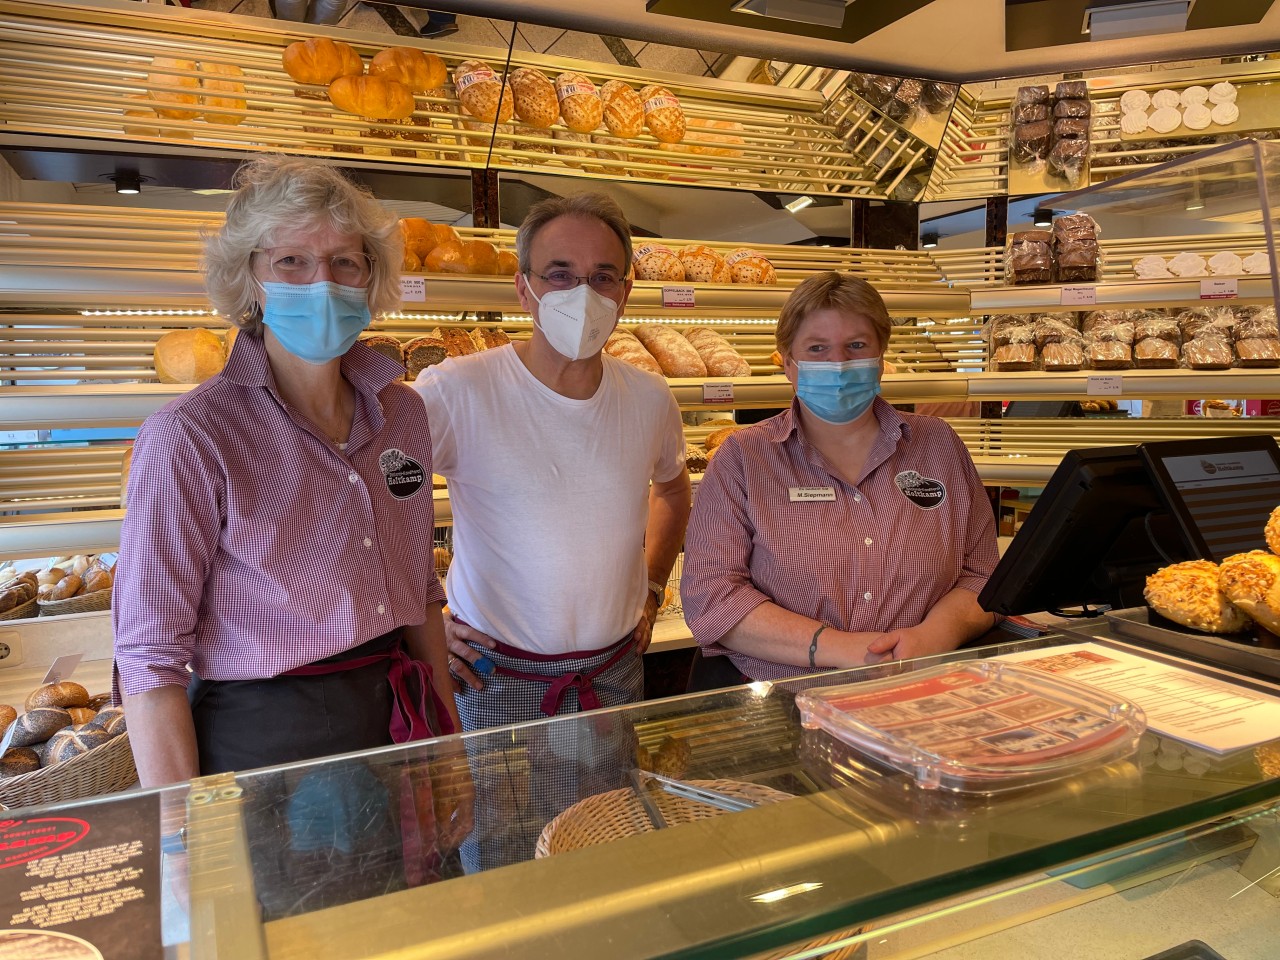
point(316, 322)
point(837, 392)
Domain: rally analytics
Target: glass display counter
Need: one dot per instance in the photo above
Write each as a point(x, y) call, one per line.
point(825, 855)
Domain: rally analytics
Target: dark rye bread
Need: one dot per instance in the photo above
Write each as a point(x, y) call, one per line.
point(423, 352)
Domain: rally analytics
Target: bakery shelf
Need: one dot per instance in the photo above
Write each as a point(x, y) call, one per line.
point(84, 405)
point(1145, 384)
point(1124, 294)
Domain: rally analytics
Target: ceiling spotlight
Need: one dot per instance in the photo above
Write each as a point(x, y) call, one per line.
point(799, 203)
point(1043, 217)
point(127, 181)
point(928, 240)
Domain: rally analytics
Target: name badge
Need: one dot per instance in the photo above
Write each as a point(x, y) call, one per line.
point(812, 494)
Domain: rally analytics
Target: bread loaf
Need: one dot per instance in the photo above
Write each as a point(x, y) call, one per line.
point(68, 693)
point(717, 437)
point(491, 337)
point(422, 236)
point(747, 266)
point(482, 93)
point(221, 90)
point(374, 97)
point(423, 352)
point(320, 61)
point(662, 114)
point(623, 109)
point(1015, 356)
point(387, 346)
point(717, 138)
point(717, 354)
point(580, 103)
point(704, 265)
point(17, 761)
point(416, 69)
point(174, 104)
point(96, 580)
point(536, 103)
point(458, 343)
point(39, 723)
point(69, 586)
point(653, 261)
point(524, 130)
point(675, 355)
point(623, 345)
point(463, 256)
point(563, 148)
point(188, 356)
point(508, 264)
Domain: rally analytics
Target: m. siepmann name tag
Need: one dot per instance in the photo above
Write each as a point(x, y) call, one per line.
point(812, 494)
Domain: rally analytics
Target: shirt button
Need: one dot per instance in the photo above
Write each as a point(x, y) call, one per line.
point(857, 498)
point(865, 596)
point(353, 477)
point(369, 543)
point(867, 541)
point(382, 609)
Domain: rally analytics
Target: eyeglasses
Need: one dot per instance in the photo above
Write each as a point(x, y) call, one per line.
point(603, 283)
point(290, 265)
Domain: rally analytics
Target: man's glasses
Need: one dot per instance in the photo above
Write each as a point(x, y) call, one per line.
point(601, 282)
point(289, 265)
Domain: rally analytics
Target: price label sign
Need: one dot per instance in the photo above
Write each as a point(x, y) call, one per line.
point(413, 289)
point(1078, 296)
point(1103, 386)
point(1219, 288)
point(62, 668)
point(677, 297)
point(717, 393)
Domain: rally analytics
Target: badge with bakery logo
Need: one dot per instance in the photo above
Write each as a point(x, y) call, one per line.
point(925, 492)
point(404, 474)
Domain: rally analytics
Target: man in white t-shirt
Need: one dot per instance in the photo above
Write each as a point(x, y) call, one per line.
point(569, 495)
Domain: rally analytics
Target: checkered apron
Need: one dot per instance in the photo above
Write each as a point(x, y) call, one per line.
point(524, 778)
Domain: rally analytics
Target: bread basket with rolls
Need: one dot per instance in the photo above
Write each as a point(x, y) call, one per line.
point(18, 597)
point(81, 586)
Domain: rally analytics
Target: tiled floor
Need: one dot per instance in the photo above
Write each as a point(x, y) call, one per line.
point(482, 31)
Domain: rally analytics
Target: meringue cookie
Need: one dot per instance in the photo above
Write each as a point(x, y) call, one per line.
point(1151, 268)
point(1222, 93)
point(1194, 95)
point(1187, 265)
point(1166, 98)
point(1133, 100)
point(1257, 262)
point(1165, 119)
point(1197, 116)
point(1225, 264)
point(1134, 123)
point(1224, 113)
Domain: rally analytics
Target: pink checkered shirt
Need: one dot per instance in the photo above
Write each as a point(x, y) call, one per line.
point(253, 545)
point(862, 557)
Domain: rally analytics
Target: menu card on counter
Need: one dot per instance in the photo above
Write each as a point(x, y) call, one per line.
point(82, 884)
point(1179, 703)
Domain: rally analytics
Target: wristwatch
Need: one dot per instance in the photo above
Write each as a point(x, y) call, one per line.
point(659, 591)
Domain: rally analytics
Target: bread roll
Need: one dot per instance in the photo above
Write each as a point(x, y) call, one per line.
point(653, 261)
point(747, 266)
point(481, 92)
point(39, 723)
point(221, 90)
point(423, 352)
point(110, 719)
point(717, 354)
point(1188, 593)
point(174, 104)
point(1250, 581)
point(387, 346)
point(580, 103)
point(704, 265)
point(69, 586)
point(7, 716)
point(68, 693)
point(97, 580)
point(410, 262)
point(717, 437)
point(416, 69)
point(374, 97)
point(536, 103)
point(623, 345)
point(188, 356)
point(17, 761)
point(81, 715)
point(67, 744)
point(320, 61)
point(623, 109)
point(675, 355)
point(662, 114)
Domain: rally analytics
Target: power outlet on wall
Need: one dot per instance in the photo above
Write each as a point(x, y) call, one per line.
point(10, 649)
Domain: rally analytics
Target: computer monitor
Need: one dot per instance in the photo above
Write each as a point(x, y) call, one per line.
point(1096, 532)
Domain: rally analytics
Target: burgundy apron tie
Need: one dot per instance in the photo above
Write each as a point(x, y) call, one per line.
point(559, 686)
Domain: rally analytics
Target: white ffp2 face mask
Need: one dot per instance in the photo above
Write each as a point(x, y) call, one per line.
point(577, 321)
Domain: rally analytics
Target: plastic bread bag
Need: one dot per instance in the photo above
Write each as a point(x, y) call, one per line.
point(1211, 321)
point(1062, 355)
point(1068, 158)
point(1049, 329)
point(1156, 353)
point(1029, 257)
point(1153, 325)
point(1257, 324)
point(937, 97)
point(1029, 113)
point(1078, 261)
point(1029, 143)
point(1260, 352)
point(1109, 326)
point(1013, 357)
point(1208, 351)
point(1071, 90)
point(1109, 354)
point(1074, 226)
point(1072, 108)
point(1005, 330)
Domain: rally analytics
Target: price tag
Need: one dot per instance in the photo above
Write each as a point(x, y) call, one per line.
point(62, 668)
point(1103, 386)
point(717, 393)
point(413, 289)
point(677, 297)
point(1219, 288)
point(1078, 296)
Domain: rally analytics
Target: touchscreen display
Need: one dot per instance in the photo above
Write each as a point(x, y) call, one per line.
point(1228, 496)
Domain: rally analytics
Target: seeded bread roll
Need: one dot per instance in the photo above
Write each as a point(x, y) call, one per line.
point(674, 353)
point(1251, 581)
point(623, 345)
point(68, 693)
point(535, 98)
point(38, 724)
point(17, 761)
point(717, 353)
point(423, 352)
point(110, 719)
point(67, 744)
point(1188, 593)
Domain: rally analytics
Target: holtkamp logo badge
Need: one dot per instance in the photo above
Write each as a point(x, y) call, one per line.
point(925, 492)
point(404, 474)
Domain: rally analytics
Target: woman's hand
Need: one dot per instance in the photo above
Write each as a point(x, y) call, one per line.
point(462, 656)
point(906, 644)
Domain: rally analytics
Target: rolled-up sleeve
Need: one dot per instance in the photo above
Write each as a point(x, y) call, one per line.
point(171, 533)
point(716, 587)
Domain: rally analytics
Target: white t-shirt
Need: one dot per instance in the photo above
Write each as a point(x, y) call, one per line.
point(550, 496)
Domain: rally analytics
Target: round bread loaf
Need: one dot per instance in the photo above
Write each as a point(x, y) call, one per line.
point(110, 719)
point(674, 353)
point(39, 723)
point(68, 693)
point(482, 93)
point(653, 261)
point(17, 761)
point(67, 744)
point(174, 103)
point(623, 109)
point(7, 716)
point(220, 89)
point(1188, 593)
point(1249, 580)
point(321, 61)
point(580, 103)
point(717, 437)
point(704, 265)
point(188, 356)
point(416, 69)
point(536, 103)
point(747, 266)
point(663, 114)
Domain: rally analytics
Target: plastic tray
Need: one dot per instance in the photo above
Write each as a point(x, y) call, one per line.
point(981, 727)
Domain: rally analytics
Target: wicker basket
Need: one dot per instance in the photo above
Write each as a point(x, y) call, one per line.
point(21, 611)
point(105, 769)
point(98, 600)
point(618, 813)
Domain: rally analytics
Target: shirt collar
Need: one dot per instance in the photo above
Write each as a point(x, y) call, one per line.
point(364, 368)
point(891, 422)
